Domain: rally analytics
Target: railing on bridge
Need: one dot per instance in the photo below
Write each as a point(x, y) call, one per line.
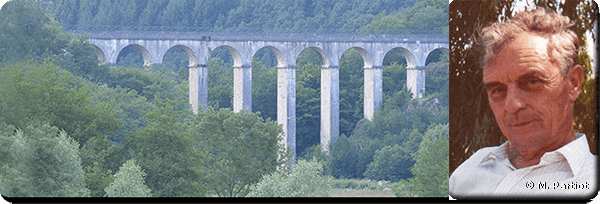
point(250, 30)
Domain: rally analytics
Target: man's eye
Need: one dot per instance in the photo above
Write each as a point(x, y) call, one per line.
point(497, 90)
point(534, 81)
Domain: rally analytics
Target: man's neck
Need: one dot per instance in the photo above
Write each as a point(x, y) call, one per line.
point(528, 156)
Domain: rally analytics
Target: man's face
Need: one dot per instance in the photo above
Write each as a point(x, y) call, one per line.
point(528, 94)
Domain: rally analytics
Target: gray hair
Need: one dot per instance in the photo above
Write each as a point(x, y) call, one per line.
point(563, 44)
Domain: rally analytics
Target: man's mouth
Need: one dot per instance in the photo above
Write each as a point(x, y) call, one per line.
point(520, 124)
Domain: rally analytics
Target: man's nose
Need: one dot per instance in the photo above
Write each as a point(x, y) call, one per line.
point(514, 100)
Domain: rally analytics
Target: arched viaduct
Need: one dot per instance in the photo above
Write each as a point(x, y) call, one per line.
point(286, 47)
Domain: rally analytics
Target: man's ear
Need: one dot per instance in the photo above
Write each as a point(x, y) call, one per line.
point(575, 79)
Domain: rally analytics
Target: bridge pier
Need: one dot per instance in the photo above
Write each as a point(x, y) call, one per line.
point(286, 106)
point(373, 90)
point(415, 81)
point(330, 106)
point(198, 87)
point(242, 88)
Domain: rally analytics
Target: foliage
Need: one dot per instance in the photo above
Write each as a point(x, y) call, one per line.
point(264, 90)
point(308, 106)
point(128, 107)
point(167, 153)
point(351, 93)
point(129, 182)
point(390, 163)
point(32, 92)
point(343, 158)
point(155, 81)
point(305, 180)
point(40, 161)
point(26, 32)
point(80, 59)
point(425, 15)
point(241, 148)
point(220, 84)
point(430, 175)
point(213, 15)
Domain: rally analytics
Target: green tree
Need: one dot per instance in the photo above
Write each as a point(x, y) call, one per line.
point(129, 106)
point(129, 182)
point(26, 32)
point(107, 14)
point(306, 179)
point(40, 93)
point(40, 161)
point(351, 90)
point(390, 163)
point(220, 84)
point(87, 10)
point(426, 15)
point(344, 154)
point(150, 15)
point(167, 153)
point(80, 59)
point(308, 106)
point(430, 175)
point(383, 22)
point(171, 15)
point(241, 148)
point(128, 11)
point(264, 90)
point(66, 12)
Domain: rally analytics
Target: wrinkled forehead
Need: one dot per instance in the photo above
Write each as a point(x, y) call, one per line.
point(524, 48)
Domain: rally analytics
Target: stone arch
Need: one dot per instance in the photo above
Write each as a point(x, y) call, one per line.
point(410, 58)
point(235, 55)
point(367, 58)
point(192, 59)
point(100, 54)
point(145, 53)
point(325, 62)
point(446, 51)
point(281, 59)
point(440, 49)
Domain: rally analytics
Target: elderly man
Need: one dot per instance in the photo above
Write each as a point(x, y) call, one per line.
point(532, 82)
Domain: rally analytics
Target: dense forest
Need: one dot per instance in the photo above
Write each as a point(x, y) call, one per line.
point(127, 130)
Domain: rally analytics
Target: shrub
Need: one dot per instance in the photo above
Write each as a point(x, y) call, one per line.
point(305, 180)
point(129, 182)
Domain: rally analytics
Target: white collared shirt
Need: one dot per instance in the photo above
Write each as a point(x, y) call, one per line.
point(569, 171)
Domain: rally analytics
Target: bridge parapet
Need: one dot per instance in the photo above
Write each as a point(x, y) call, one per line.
point(277, 37)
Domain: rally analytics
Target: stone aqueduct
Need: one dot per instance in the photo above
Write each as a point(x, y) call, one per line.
point(286, 47)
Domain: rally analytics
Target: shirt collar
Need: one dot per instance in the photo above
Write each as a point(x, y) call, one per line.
point(576, 153)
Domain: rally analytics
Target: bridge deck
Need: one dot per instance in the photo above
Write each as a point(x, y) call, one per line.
point(276, 37)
